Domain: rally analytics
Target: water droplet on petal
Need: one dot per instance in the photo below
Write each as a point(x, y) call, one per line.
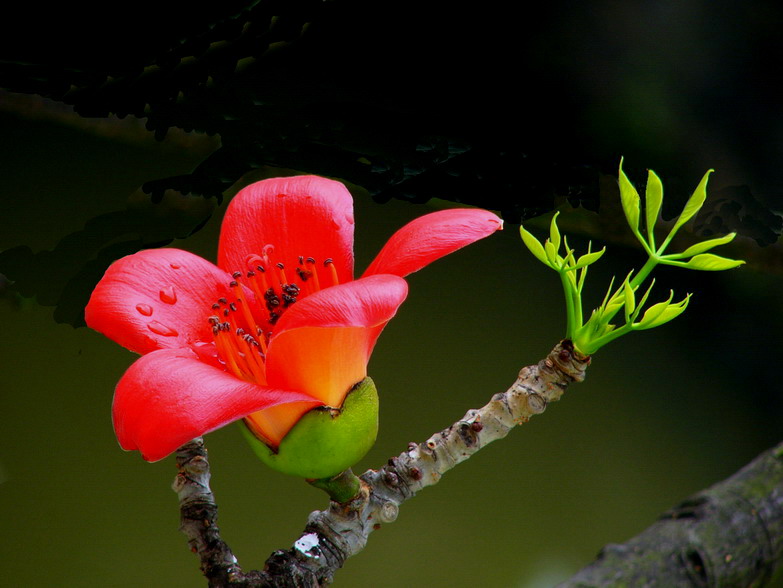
point(144, 309)
point(175, 265)
point(161, 329)
point(168, 295)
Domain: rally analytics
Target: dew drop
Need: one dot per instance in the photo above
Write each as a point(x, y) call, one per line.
point(175, 265)
point(161, 329)
point(144, 309)
point(168, 295)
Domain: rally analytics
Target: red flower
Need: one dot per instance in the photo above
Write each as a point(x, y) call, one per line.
point(278, 327)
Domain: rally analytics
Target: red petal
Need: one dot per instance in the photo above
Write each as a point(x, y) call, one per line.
point(157, 299)
point(299, 216)
point(430, 237)
point(168, 397)
point(321, 345)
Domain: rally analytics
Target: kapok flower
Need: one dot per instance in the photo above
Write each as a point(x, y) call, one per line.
point(278, 327)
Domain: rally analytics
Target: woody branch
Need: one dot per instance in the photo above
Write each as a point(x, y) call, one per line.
point(333, 535)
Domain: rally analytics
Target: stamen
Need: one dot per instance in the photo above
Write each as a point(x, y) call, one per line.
point(224, 349)
point(330, 264)
point(253, 362)
point(249, 320)
point(240, 342)
point(281, 273)
point(314, 273)
point(261, 340)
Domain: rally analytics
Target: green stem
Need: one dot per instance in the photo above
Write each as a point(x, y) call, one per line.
point(571, 325)
point(342, 488)
point(646, 270)
point(637, 281)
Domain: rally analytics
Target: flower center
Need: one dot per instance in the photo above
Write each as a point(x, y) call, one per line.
point(241, 328)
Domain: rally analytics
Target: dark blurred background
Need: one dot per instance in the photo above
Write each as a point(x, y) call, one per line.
point(132, 128)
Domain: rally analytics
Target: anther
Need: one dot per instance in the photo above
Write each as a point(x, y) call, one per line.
point(216, 306)
point(233, 307)
point(236, 275)
point(233, 284)
point(222, 301)
point(281, 272)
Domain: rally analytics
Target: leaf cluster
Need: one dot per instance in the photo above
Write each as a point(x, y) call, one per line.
point(589, 336)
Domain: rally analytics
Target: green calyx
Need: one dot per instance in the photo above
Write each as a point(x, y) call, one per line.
point(326, 441)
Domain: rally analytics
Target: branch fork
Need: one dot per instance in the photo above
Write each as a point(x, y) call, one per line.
point(362, 504)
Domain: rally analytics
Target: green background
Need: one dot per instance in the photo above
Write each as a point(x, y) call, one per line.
point(661, 414)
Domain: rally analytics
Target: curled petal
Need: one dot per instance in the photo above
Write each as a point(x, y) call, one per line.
point(157, 299)
point(299, 216)
point(430, 237)
point(169, 396)
point(323, 343)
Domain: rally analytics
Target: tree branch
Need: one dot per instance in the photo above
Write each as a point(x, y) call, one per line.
point(728, 535)
point(331, 536)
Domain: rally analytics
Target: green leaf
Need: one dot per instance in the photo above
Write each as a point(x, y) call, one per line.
point(630, 300)
point(662, 313)
point(630, 200)
point(712, 263)
point(653, 197)
point(706, 245)
point(551, 254)
point(533, 245)
point(614, 304)
point(642, 302)
point(554, 232)
point(608, 294)
point(588, 258)
point(694, 204)
point(581, 281)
